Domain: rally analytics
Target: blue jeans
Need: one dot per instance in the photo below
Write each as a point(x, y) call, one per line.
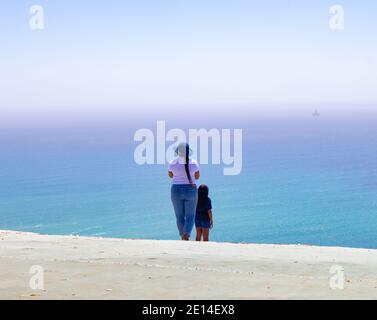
point(184, 198)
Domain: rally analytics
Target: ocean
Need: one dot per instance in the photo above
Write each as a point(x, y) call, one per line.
point(309, 180)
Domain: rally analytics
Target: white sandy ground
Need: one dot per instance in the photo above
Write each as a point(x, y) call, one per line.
point(97, 268)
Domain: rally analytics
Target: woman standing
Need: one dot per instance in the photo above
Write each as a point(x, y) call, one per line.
point(184, 173)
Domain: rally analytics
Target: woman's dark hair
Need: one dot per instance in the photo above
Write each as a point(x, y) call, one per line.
point(187, 154)
point(184, 149)
point(202, 195)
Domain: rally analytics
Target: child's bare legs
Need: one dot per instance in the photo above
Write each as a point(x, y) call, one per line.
point(199, 232)
point(205, 234)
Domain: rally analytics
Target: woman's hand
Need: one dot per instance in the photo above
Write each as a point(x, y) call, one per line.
point(170, 174)
point(211, 226)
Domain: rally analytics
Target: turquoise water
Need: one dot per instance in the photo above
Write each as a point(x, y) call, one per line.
point(309, 181)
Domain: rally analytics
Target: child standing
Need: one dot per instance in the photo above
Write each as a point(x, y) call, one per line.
point(203, 217)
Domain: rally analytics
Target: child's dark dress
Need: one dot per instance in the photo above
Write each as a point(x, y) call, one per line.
point(202, 218)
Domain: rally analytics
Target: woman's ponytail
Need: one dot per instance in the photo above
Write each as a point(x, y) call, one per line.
point(187, 168)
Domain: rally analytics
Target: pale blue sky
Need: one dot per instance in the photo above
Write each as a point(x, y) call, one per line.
point(245, 55)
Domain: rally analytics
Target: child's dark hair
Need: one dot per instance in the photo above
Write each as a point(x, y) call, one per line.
point(202, 194)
